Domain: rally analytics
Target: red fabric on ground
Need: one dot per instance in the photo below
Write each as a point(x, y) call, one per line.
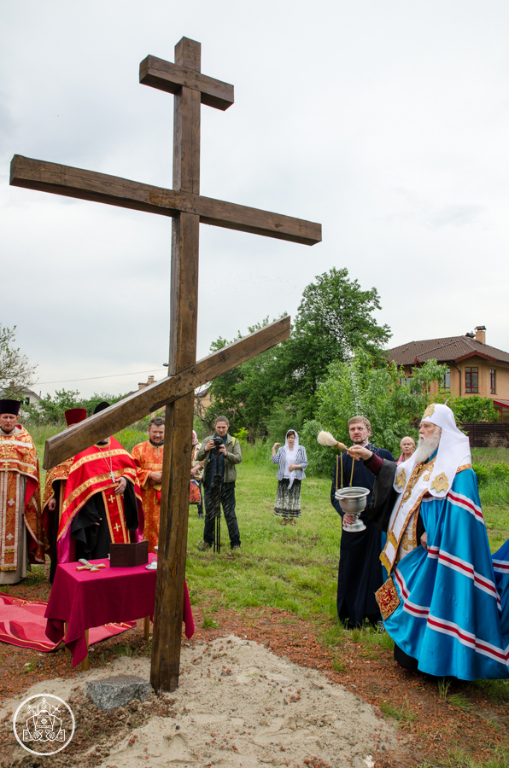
point(22, 623)
point(88, 599)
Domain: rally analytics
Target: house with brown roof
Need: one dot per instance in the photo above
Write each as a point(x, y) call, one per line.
point(474, 368)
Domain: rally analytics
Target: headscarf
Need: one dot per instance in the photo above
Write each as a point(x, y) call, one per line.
point(290, 457)
point(453, 452)
point(195, 438)
point(402, 458)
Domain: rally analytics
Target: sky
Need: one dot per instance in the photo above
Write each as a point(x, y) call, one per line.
point(388, 123)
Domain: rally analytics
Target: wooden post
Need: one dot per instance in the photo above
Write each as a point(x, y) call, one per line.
point(169, 602)
point(84, 663)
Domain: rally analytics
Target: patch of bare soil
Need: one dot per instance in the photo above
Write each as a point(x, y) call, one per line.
point(426, 726)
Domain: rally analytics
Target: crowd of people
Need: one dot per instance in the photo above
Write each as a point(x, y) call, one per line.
point(420, 568)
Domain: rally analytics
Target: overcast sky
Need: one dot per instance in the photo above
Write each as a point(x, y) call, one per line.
point(388, 122)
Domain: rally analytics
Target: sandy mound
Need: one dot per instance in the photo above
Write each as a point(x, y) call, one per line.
point(237, 705)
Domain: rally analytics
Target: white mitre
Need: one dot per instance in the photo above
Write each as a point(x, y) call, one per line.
point(453, 452)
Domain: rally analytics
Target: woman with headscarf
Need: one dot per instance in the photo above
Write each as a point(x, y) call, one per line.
point(292, 462)
point(407, 446)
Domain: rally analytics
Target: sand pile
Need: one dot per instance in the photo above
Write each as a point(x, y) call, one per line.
point(237, 705)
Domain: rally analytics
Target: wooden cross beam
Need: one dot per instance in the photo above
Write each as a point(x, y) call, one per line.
point(151, 398)
point(187, 208)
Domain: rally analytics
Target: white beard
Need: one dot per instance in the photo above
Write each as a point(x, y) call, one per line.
point(427, 446)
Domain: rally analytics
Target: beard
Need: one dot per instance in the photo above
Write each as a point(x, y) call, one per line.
point(156, 443)
point(427, 446)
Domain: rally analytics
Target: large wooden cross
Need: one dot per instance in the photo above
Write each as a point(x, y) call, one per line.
point(187, 208)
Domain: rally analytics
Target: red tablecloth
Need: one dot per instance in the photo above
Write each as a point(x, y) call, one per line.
point(84, 599)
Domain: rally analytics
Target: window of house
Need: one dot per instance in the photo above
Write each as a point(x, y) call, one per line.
point(445, 381)
point(27, 400)
point(471, 380)
point(493, 381)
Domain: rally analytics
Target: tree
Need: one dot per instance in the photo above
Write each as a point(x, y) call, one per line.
point(381, 392)
point(245, 394)
point(474, 408)
point(334, 317)
point(16, 371)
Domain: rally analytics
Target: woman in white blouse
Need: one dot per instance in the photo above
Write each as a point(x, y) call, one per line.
point(292, 462)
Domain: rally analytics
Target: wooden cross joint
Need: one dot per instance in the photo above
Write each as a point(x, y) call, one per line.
point(169, 77)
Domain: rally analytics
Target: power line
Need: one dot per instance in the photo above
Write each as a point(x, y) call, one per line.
point(92, 378)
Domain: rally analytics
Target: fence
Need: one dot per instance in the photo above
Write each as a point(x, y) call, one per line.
point(484, 434)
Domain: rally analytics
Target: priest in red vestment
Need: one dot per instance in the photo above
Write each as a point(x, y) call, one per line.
point(54, 492)
point(148, 457)
point(102, 502)
point(21, 534)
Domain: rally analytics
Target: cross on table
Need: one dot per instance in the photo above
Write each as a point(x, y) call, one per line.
point(187, 208)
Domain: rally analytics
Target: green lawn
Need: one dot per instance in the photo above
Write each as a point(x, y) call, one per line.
point(292, 568)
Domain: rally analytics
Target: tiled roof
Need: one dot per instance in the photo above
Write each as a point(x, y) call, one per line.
point(449, 349)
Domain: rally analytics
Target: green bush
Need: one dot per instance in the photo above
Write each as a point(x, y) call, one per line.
point(482, 473)
point(500, 471)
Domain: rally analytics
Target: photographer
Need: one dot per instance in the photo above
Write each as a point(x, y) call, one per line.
point(220, 453)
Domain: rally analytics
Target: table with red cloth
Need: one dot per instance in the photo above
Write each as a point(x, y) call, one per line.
point(84, 599)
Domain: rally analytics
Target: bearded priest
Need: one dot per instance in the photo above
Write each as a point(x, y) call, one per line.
point(102, 502)
point(21, 534)
point(54, 492)
point(446, 602)
point(148, 457)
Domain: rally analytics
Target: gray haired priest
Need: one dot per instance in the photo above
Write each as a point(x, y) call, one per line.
point(446, 601)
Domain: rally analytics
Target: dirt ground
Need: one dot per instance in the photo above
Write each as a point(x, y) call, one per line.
point(241, 673)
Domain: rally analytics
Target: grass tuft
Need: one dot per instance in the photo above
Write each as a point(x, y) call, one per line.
point(209, 623)
point(402, 713)
point(460, 701)
point(443, 688)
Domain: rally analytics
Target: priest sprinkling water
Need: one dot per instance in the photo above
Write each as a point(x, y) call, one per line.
point(445, 603)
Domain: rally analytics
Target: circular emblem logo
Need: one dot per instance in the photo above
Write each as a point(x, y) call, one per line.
point(43, 724)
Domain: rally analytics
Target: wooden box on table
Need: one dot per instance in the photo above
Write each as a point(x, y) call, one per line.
point(128, 555)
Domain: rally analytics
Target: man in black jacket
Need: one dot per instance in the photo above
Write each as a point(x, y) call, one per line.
point(360, 570)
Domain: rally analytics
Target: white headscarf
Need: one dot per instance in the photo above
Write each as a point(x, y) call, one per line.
point(290, 457)
point(453, 452)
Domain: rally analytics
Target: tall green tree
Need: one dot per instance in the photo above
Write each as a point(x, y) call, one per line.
point(334, 317)
point(381, 392)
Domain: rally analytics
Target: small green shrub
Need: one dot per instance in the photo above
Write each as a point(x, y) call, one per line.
point(481, 472)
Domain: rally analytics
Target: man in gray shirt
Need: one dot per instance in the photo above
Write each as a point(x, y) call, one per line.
point(220, 453)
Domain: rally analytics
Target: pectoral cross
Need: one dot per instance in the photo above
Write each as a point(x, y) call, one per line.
point(188, 209)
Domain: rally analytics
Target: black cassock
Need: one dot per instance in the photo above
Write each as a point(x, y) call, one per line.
point(93, 541)
point(360, 570)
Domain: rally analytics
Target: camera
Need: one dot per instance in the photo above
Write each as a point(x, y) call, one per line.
point(217, 443)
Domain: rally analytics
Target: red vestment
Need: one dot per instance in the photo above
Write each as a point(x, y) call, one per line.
point(149, 458)
point(96, 470)
point(56, 479)
point(20, 506)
